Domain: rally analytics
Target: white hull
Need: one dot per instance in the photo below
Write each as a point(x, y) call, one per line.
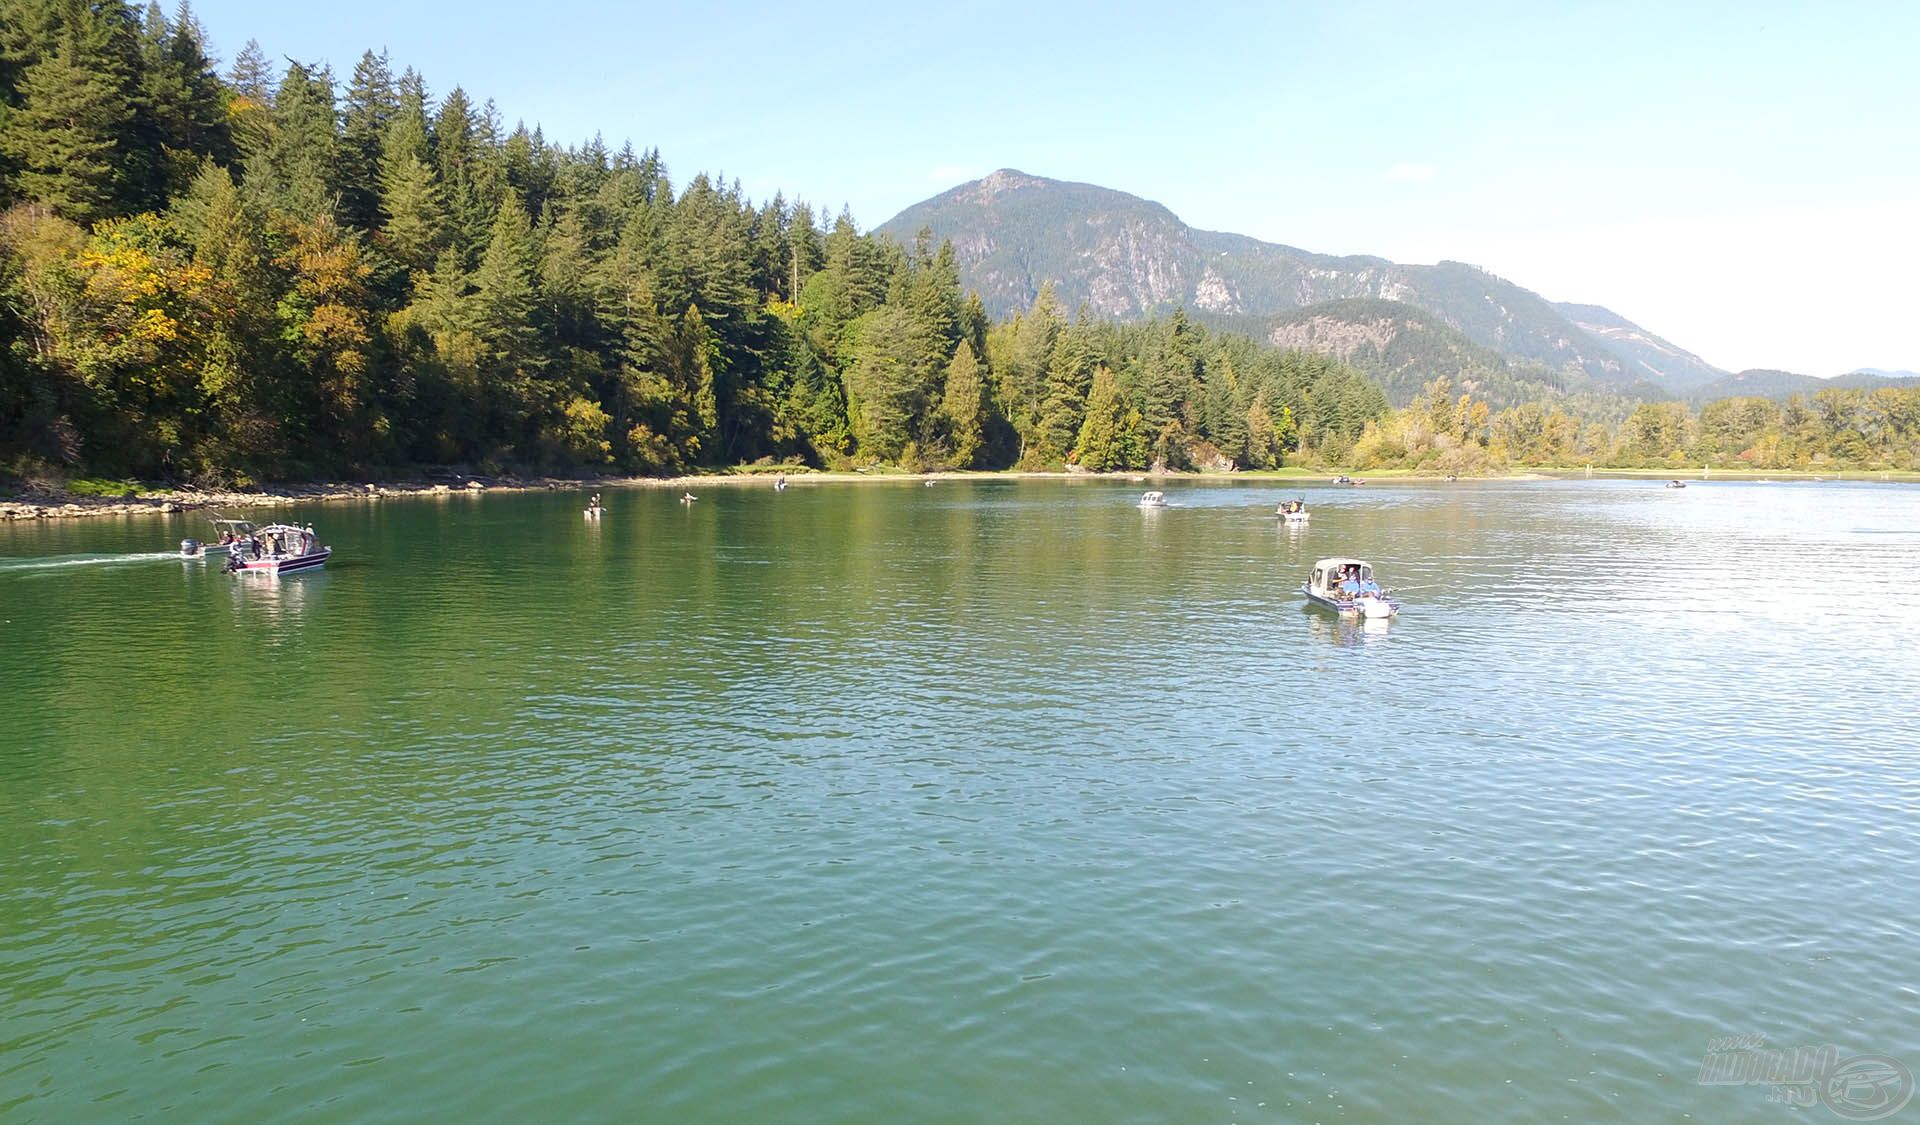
point(1368, 607)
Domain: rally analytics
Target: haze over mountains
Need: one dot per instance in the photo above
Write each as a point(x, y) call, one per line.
point(1126, 257)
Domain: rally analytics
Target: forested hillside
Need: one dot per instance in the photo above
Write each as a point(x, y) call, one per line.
point(277, 273)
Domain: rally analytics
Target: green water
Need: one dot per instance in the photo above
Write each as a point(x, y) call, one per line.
point(986, 801)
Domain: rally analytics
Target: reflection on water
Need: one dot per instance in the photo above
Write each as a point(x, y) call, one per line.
point(273, 600)
point(1344, 631)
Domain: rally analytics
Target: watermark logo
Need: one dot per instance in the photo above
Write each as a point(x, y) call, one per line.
point(1858, 1088)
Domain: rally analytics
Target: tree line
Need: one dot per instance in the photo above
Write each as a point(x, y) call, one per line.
point(271, 273)
point(1445, 431)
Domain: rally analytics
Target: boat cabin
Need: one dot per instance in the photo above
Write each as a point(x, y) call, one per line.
point(1331, 577)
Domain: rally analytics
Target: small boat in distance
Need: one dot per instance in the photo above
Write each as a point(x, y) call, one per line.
point(1345, 479)
point(1153, 500)
point(688, 498)
point(593, 507)
point(1347, 587)
point(1293, 511)
point(279, 548)
point(1676, 484)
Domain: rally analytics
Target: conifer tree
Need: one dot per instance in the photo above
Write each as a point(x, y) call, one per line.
point(962, 407)
point(1069, 375)
point(371, 105)
point(506, 297)
point(251, 76)
point(416, 214)
point(294, 170)
point(1225, 415)
point(73, 113)
point(1103, 442)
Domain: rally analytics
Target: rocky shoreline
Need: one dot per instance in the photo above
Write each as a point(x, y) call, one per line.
point(47, 503)
point(44, 503)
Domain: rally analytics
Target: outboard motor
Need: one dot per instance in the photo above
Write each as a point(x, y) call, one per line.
point(189, 546)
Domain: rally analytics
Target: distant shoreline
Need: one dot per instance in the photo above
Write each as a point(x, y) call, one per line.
point(53, 503)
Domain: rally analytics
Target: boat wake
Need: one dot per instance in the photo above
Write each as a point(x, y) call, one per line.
point(55, 562)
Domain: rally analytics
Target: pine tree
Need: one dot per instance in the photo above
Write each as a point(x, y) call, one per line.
point(294, 171)
point(73, 112)
point(506, 296)
point(1263, 446)
point(182, 108)
point(416, 215)
point(1102, 443)
point(1023, 375)
point(1226, 417)
point(962, 407)
point(886, 398)
point(1069, 375)
point(700, 350)
point(407, 131)
point(371, 105)
point(251, 77)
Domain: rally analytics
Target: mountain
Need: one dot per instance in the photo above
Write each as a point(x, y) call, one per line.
point(1663, 363)
point(1885, 374)
point(1763, 383)
point(1403, 346)
point(1125, 257)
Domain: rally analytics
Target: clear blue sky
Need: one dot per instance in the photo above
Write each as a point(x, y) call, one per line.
point(1742, 178)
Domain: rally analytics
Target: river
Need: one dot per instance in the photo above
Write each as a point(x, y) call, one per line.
point(1000, 800)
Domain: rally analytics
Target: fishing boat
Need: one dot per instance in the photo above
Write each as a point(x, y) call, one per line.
point(1347, 587)
point(1293, 511)
point(1153, 500)
point(227, 533)
point(1345, 479)
point(280, 548)
point(1676, 484)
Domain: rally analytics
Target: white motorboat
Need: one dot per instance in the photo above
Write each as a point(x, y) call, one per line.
point(229, 532)
point(1347, 587)
point(1153, 500)
point(1293, 511)
point(279, 548)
